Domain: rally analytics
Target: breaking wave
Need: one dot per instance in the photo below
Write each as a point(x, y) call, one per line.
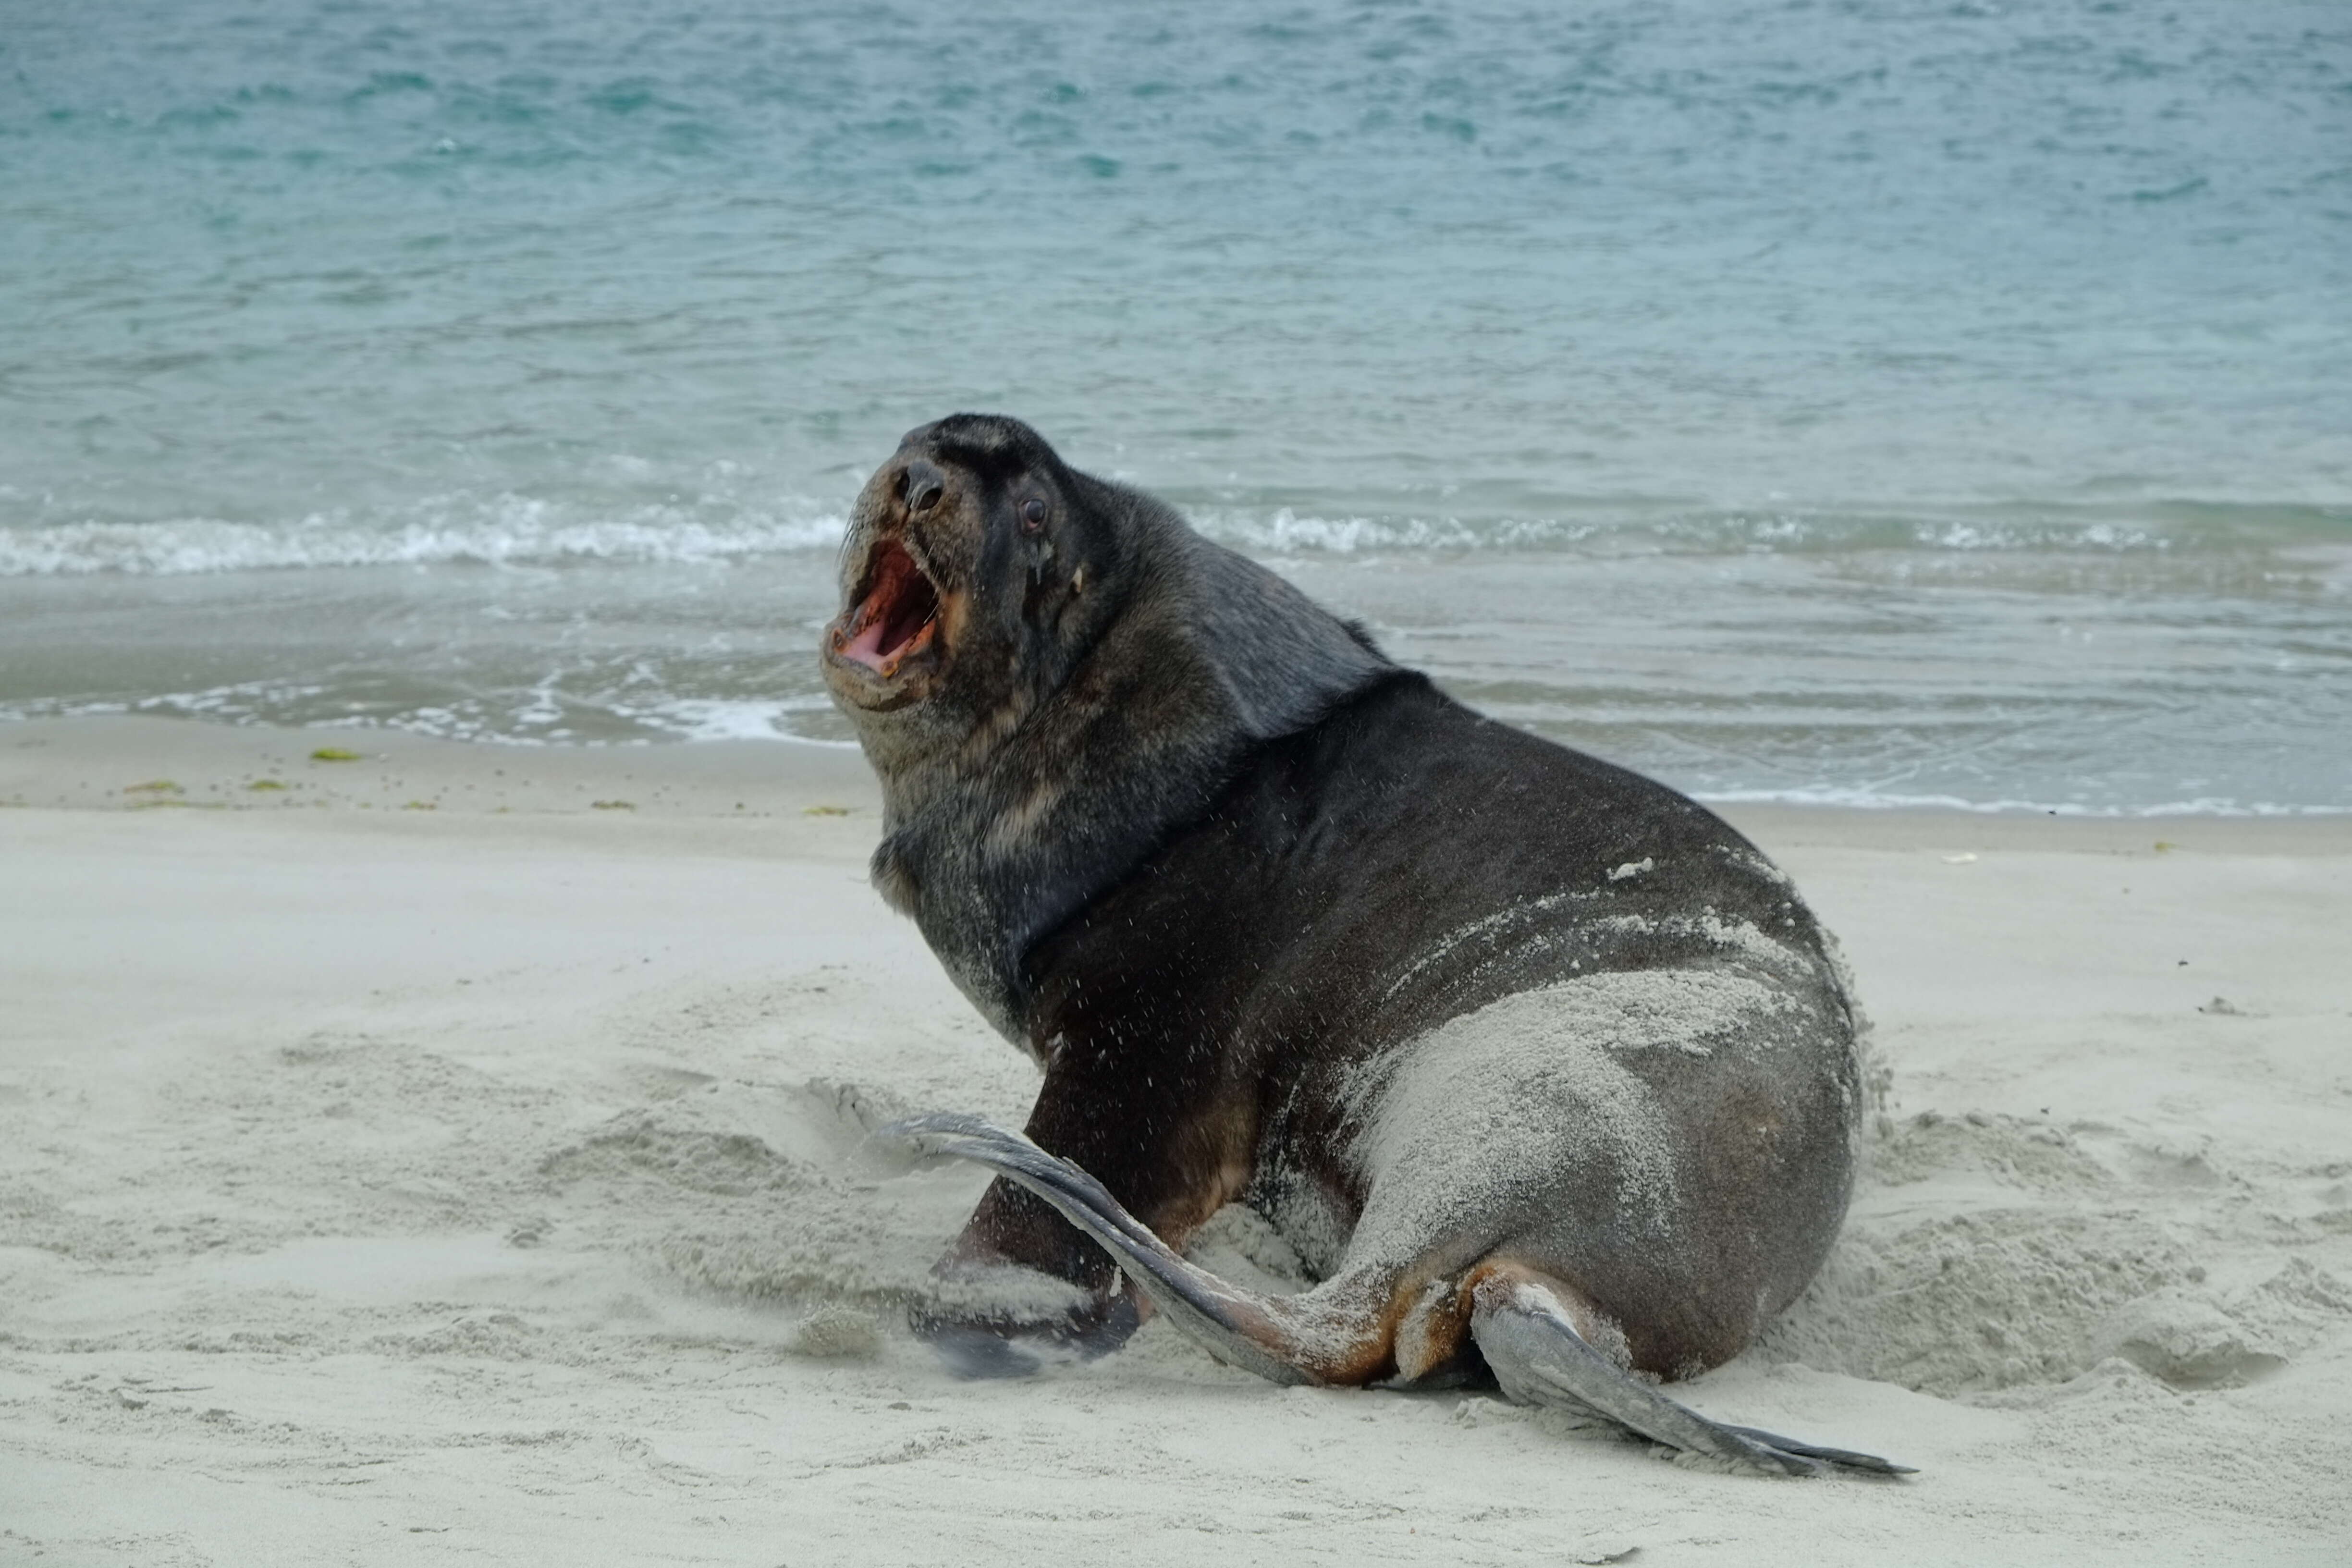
point(517, 530)
point(1633, 527)
point(506, 531)
point(1863, 799)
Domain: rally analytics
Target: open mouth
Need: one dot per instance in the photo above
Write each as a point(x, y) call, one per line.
point(898, 618)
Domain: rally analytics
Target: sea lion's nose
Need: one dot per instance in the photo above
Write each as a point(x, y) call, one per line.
point(925, 485)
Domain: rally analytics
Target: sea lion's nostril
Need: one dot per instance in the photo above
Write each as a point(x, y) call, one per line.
point(925, 485)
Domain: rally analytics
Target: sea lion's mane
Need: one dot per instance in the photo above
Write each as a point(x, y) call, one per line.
point(1009, 808)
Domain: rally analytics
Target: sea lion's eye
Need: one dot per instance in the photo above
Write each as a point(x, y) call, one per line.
point(1033, 514)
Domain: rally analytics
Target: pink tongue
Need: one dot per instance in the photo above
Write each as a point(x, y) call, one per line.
point(866, 648)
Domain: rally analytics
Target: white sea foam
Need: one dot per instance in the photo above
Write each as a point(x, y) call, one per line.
point(519, 529)
point(1866, 799)
point(497, 530)
point(1284, 532)
point(1638, 527)
point(707, 719)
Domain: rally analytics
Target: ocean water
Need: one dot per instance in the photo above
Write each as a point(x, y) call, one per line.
point(1876, 402)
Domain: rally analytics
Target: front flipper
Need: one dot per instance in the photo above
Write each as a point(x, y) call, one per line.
point(984, 1344)
point(1237, 1326)
point(1531, 1342)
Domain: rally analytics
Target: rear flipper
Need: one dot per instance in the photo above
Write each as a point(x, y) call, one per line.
point(1531, 1342)
point(1340, 1333)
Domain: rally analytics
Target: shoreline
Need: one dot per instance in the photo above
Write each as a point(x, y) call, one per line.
point(124, 762)
point(378, 1181)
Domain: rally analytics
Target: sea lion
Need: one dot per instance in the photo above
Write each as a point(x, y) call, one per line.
point(1546, 1071)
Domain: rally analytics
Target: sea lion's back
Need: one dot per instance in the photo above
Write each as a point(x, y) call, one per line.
point(1446, 860)
point(1586, 1020)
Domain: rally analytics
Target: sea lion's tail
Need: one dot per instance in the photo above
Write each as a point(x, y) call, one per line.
point(1522, 1328)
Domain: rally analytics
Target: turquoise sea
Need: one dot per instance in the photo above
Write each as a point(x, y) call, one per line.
point(1875, 402)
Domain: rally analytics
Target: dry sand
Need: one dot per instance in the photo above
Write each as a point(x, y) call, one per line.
point(480, 1183)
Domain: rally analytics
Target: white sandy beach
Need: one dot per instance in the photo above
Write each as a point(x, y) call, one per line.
point(382, 1184)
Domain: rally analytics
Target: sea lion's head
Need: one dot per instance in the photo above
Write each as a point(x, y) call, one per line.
point(1050, 673)
point(977, 568)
